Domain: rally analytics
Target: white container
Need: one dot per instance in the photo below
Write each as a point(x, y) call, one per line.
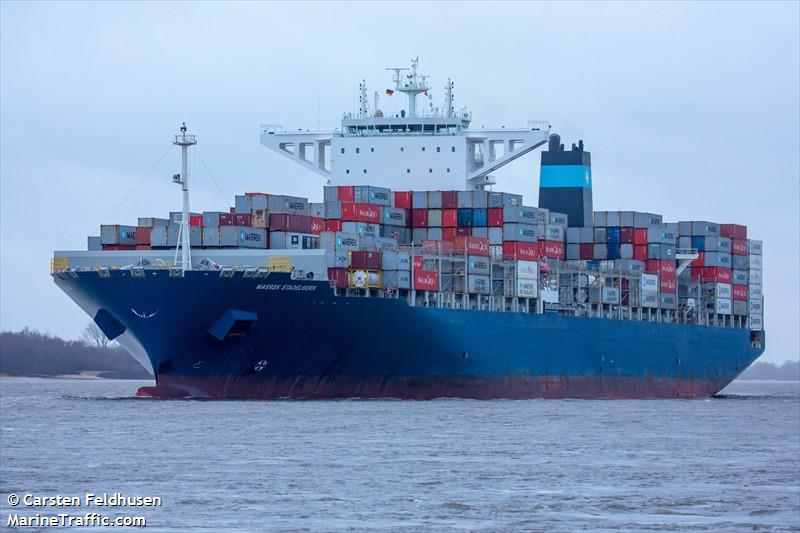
point(723, 290)
point(756, 290)
point(478, 284)
point(338, 240)
point(756, 322)
point(520, 232)
point(756, 276)
point(336, 259)
point(527, 288)
point(393, 216)
point(527, 270)
point(610, 295)
point(434, 218)
point(650, 282)
point(756, 262)
point(755, 247)
point(478, 265)
point(650, 299)
point(756, 306)
point(723, 306)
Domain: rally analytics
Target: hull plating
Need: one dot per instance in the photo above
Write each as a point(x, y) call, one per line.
point(306, 343)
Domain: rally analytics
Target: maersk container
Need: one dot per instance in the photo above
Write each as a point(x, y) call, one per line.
point(667, 301)
point(373, 195)
point(740, 262)
point(717, 290)
point(756, 290)
point(661, 251)
point(699, 227)
point(558, 218)
point(740, 308)
point(755, 261)
point(284, 240)
point(434, 200)
point(600, 251)
point(660, 235)
point(394, 216)
point(754, 247)
point(465, 199)
point(480, 199)
point(386, 244)
point(504, 199)
point(243, 237)
point(210, 237)
point(649, 282)
point(479, 265)
point(419, 200)
point(740, 277)
point(336, 259)
point(159, 237)
point(495, 236)
point(649, 299)
point(645, 220)
point(525, 215)
point(363, 229)
point(756, 322)
point(717, 259)
point(396, 279)
point(117, 234)
point(756, 305)
point(629, 266)
point(520, 233)
point(755, 276)
point(287, 204)
point(599, 236)
point(550, 232)
point(723, 306)
point(151, 222)
point(479, 284)
point(338, 240)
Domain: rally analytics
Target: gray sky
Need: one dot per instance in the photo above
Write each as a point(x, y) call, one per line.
point(689, 110)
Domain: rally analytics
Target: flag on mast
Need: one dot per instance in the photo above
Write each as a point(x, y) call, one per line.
point(389, 92)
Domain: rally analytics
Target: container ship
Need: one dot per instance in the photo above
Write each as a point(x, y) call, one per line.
point(415, 278)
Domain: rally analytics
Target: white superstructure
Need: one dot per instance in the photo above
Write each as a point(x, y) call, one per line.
point(411, 150)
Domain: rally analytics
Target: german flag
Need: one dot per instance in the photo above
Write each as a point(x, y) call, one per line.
point(389, 92)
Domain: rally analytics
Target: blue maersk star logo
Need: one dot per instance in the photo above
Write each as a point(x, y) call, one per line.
point(587, 177)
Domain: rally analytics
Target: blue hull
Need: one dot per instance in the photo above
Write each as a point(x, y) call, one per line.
point(205, 336)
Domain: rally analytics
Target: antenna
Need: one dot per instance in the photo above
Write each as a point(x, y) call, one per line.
point(184, 242)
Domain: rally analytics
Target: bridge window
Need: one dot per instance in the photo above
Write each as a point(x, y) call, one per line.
point(438, 148)
point(448, 170)
point(452, 148)
point(372, 149)
point(358, 150)
point(408, 171)
point(347, 171)
point(365, 171)
point(423, 148)
point(402, 149)
point(342, 150)
point(430, 171)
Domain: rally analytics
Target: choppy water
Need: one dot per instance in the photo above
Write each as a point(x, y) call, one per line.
point(724, 464)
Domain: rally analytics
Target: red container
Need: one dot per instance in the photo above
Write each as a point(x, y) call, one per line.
point(527, 251)
point(402, 199)
point(143, 236)
point(287, 222)
point(243, 220)
point(317, 225)
point(740, 292)
point(640, 236)
point(417, 262)
point(640, 251)
point(419, 218)
point(700, 261)
point(196, 220)
point(449, 234)
point(449, 218)
point(339, 277)
point(660, 267)
point(739, 247)
point(464, 232)
point(495, 217)
point(119, 247)
point(626, 235)
point(365, 260)
point(426, 280)
point(586, 251)
point(715, 274)
point(450, 200)
point(346, 193)
point(667, 284)
point(471, 245)
point(227, 219)
point(358, 212)
point(143, 247)
point(733, 231)
point(551, 249)
point(333, 225)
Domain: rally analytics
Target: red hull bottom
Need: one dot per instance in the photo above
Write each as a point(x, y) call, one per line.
point(510, 387)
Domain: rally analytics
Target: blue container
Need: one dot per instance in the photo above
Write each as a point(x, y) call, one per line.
point(465, 218)
point(613, 250)
point(699, 242)
point(612, 235)
point(480, 218)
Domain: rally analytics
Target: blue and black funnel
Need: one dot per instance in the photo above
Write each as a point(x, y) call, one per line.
point(565, 182)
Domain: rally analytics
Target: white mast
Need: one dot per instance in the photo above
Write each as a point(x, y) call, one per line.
point(184, 241)
point(412, 85)
point(448, 99)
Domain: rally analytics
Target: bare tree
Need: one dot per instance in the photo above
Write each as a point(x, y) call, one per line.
point(94, 335)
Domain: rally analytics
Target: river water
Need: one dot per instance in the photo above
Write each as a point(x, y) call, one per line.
point(722, 464)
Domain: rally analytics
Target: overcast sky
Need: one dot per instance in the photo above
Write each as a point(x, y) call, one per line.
point(690, 110)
